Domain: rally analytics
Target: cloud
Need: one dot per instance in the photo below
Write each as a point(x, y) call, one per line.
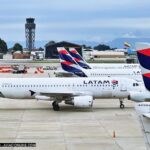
point(76, 20)
point(135, 23)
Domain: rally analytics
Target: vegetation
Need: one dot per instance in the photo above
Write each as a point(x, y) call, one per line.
point(17, 47)
point(3, 47)
point(102, 47)
point(86, 47)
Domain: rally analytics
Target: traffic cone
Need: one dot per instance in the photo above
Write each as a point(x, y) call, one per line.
point(114, 134)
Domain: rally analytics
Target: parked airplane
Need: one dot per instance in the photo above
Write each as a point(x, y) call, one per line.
point(143, 109)
point(143, 112)
point(70, 65)
point(143, 54)
point(79, 92)
point(82, 63)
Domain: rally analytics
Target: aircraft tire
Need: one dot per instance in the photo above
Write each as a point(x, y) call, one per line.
point(55, 106)
point(122, 106)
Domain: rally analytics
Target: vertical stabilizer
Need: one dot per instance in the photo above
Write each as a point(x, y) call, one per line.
point(143, 54)
point(78, 58)
point(68, 64)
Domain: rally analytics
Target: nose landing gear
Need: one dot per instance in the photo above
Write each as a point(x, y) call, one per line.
point(122, 106)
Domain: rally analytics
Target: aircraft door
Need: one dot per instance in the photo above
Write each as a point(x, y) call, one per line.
point(123, 88)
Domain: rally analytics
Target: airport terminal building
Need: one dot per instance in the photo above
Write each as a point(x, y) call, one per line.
point(51, 48)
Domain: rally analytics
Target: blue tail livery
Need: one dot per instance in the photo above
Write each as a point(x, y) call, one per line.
point(68, 64)
point(143, 54)
point(77, 57)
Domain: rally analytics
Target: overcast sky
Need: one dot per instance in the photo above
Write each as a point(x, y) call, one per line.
point(91, 20)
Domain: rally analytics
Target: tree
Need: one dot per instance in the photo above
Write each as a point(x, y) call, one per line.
point(3, 46)
point(17, 47)
point(101, 47)
point(86, 47)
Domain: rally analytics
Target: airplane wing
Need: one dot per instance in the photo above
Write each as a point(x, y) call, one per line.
point(147, 115)
point(58, 95)
point(144, 119)
point(63, 93)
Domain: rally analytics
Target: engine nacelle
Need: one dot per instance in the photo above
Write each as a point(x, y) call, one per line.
point(139, 96)
point(42, 97)
point(81, 101)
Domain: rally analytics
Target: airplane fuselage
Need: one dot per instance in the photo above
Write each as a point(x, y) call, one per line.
point(26, 88)
point(125, 73)
point(114, 66)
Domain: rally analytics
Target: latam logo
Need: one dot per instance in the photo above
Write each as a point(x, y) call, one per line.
point(114, 82)
point(96, 82)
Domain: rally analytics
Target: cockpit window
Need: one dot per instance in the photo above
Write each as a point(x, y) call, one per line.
point(135, 84)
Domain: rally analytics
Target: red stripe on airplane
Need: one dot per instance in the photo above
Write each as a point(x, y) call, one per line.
point(76, 59)
point(67, 63)
point(63, 52)
point(74, 51)
point(145, 51)
point(147, 75)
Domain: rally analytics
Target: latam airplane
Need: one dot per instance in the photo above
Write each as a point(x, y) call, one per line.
point(143, 54)
point(82, 63)
point(69, 64)
point(79, 92)
point(143, 109)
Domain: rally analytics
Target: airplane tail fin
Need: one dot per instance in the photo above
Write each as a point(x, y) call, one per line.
point(143, 54)
point(68, 64)
point(78, 58)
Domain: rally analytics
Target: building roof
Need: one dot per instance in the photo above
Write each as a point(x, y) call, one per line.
point(52, 43)
point(107, 53)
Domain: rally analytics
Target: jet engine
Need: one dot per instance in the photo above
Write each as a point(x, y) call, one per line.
point(81, 101)
point(139, 96)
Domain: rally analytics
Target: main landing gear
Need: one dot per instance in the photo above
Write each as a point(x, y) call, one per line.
point(55, 106)
point(122, 106)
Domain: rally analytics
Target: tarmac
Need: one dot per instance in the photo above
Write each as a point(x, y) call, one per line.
point(104, 127)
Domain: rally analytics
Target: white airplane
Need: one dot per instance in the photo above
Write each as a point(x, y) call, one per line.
point(79, 92)
point(143, 111)
point(71, 66)
point(82, 63)
point(143, 54)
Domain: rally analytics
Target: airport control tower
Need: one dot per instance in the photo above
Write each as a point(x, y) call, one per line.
point(30, 33)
